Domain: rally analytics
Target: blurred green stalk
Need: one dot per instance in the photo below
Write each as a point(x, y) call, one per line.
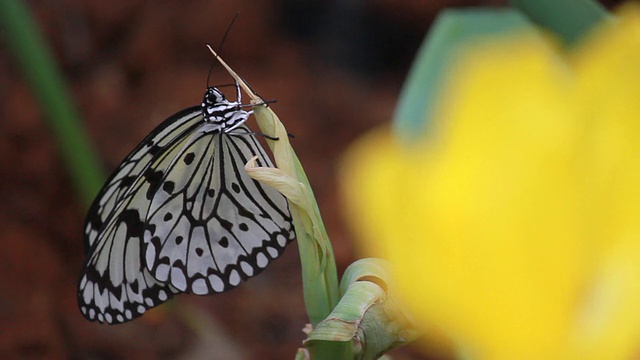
point(452, 30)
point(48, 86)
point(570, 20)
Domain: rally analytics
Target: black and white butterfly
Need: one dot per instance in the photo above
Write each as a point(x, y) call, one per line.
point(181, 215)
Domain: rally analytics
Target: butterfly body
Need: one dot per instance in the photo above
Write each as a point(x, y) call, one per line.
point(181, 215)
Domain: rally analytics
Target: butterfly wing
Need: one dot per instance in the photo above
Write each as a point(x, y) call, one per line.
point(115, 285)
point(211, 225)
point(120, 184)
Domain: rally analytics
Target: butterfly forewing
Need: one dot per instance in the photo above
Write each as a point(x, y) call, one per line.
point(115, 285)
point(216, 226)
point(122, 181)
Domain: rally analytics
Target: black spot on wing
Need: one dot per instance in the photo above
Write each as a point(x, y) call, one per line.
point(168, 187)
point(246, 213)
point(134, 225)
point(154, 178)
point(227, 225)
point(134, 286)
point(96, 222)
point(178, 263)
point(117, 290)
point(188, 159)
point(127, 181)
point(154, 150)
point(224, 242)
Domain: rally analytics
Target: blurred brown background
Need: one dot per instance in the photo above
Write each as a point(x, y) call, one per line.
point(335, 68)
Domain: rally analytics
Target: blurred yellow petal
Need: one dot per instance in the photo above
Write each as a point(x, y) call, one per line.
point(607, 87)
point(514, 225)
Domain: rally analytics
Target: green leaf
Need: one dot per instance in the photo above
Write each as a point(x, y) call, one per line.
point(569, 20)
point(367, 316)
point(452, 29)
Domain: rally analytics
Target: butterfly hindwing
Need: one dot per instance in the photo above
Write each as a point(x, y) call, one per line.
point(217, 225)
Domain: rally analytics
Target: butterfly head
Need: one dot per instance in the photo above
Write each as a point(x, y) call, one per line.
point(224, 114)
point(213, 96)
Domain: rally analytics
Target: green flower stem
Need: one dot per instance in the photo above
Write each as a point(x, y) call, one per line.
point(39, 69)
point(319, 274)
point(570, 20)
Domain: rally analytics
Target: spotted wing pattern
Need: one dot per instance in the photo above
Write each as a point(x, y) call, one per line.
point(210, 225)
point(181, 215)
point(115, 285)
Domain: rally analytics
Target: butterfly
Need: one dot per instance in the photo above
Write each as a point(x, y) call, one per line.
point(181, 215)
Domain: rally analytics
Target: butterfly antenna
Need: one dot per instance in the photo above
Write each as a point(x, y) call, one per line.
point(224, 37)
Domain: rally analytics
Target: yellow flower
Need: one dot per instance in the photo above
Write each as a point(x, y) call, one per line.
point(514, 225)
